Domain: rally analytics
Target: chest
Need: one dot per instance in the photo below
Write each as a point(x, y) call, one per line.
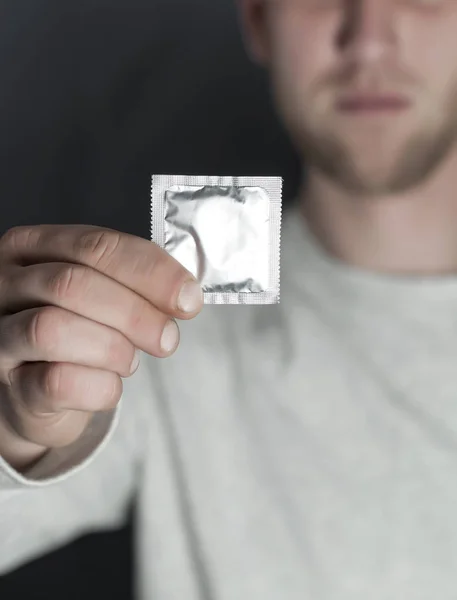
point(318, 465)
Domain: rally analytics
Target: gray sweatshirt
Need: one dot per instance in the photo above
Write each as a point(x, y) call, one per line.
point(306, 451)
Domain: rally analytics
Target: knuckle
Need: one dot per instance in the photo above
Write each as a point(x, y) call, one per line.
point(69, 281)
point(42, 327)
point(146, 264)
point(67, 428)
point(98, 246)
point(117, 349)
point(136, 316)
point(113, 394)
point(18, 236)
point(55, 430)
point(160, 267)
point(52, 382)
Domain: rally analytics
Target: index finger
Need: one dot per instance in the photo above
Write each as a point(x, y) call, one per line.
point(136, 263)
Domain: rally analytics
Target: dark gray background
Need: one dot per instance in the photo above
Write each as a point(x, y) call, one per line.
point(95, 96)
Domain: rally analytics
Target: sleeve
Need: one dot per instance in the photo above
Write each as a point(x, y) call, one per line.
point(87, 486)
point(60, 463)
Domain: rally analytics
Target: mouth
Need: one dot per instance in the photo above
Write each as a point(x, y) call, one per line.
point(356, 104)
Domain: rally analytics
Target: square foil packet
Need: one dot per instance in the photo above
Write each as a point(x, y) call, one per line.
point(224, 230)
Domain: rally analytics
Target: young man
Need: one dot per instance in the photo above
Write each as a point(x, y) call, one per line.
point(306, 451)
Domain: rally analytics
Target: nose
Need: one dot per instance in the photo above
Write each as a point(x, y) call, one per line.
point(367, 35)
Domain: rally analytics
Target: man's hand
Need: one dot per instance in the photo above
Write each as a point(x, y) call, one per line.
point(76, 304)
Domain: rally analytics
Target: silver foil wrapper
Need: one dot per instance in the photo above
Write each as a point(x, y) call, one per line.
point(224, 230)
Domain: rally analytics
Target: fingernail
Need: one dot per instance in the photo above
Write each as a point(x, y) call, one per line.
point(135, 362)
point(191, 297)
point(170, 337)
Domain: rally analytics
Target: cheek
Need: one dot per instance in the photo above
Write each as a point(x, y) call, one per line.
point(430, 52)
point(302, 53)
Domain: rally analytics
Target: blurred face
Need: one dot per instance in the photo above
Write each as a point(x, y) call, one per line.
point(366, 88)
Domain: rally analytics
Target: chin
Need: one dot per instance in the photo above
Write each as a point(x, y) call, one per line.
point(367, 184)
point(369, 174)
point(371, 166)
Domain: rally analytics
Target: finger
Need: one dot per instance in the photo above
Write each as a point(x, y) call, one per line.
point(91, 294)
point(134, 262)
point(50, 404)
point(52, 334)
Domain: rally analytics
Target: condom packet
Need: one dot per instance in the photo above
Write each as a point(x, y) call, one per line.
point(224, 230)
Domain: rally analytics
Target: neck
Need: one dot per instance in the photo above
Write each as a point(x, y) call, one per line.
point(412, 233)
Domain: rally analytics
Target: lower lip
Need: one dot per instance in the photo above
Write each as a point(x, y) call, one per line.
point(373, 106)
